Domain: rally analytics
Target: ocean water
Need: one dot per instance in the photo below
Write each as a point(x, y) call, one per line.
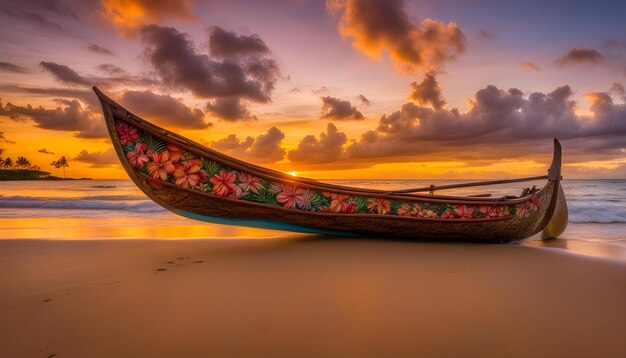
point(113, 209)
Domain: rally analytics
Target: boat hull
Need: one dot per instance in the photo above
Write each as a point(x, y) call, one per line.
point(209, 208)
point(197, 182)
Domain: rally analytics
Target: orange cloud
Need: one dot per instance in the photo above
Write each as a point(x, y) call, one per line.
point(130, 15)
point(266, 148)
point(378, 26)
point(529, 65)
point(428, 92)
point(328, 148)
point(338, 109)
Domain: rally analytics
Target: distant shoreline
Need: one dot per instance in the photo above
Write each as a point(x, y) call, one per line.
point(27, 174)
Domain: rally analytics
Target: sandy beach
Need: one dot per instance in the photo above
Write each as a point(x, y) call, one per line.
point(307, 296)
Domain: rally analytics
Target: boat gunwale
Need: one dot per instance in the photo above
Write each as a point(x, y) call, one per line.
point(267, 173)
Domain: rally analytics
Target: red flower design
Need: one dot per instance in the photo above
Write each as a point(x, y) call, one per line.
point(188, 173)
point(349, 207)
point(224, 183)
point(236, 193)
point(338, 203)
point(126, 133)
point(524, 209)
point(161, 165)
point(404, 210)
point(521, 210)
point(378, 206)
point(426, 213)
point(464, 211)
point(533, 203)
point(138, 157)
point(289, 196)
point(174, 152)
point(490, 211)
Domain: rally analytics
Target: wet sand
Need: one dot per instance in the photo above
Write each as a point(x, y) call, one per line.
point(309, 296)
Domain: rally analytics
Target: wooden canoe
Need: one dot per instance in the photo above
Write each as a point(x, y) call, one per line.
point(200, 183)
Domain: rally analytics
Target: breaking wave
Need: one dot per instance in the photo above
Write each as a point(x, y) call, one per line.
point(119, 203)
point(595, 214)
point(578, 213)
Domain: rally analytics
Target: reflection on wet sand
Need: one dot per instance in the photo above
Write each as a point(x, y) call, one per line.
point(115, 228)
point(598, 240)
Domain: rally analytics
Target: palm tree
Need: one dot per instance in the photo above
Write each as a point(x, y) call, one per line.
point(8, 163)
point(22, 162)
point(61, 163)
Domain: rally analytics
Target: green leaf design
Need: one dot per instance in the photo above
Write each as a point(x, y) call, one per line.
point(129, 147)
point(512, 210)
point(153, 143)
point(211, 167)
point(361, 204)
point(440, 209)
point(247, 195)
point(319, 200)
point(264, 197)
point(395, 205)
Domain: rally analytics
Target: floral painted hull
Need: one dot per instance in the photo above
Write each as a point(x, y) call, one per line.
point(166, 162)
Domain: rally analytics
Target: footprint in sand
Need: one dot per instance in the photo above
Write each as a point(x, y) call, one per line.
point(179, 263)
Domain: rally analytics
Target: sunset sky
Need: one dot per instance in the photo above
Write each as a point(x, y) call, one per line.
point(335, 89)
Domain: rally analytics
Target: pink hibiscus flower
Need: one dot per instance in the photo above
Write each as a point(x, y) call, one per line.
point(138, 157)
point(161, 165)
point(249, 182)
point(379, 206)
point(521, 210)
point(533, 203)
point(223, 183)
point(126, 133)
point(349, 207)
point(236, 193)
point(289, 195)
point(490, 211)
point(189, 174)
